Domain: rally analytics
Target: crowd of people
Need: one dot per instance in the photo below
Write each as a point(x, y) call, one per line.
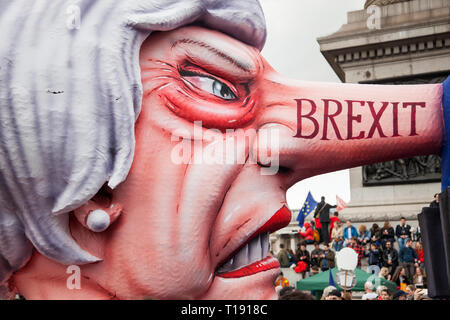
point(370, 293)
point(374, 245)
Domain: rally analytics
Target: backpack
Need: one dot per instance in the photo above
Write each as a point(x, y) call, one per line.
point(301, 267)
point(316, 236)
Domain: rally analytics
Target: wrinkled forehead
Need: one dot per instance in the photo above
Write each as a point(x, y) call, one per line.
point(207, 45)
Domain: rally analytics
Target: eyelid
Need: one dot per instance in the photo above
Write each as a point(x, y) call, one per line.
point(193, 71)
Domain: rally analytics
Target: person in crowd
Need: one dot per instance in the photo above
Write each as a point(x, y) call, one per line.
point(375, 235)
point(322, 211)
point(333, 220)
point(419, 278)
point(435, 202)
point(413, 233)
point(408, 259)
point(338, 236)
point(291, 255)
point(419, 251)
point(403, 233)
point(358, 249)
point(315, 255)
point(410, 289)
point(363, 235)
point(349, 233)
point(400, 278)
point(387, 234)
point(308, 235)
point(302, 255)
point(368, 292)
point(283, 257)
point(335, 294)
point(399, 295)
point(281, 281)
point(374, 261)
point(347, 295)
point(328, 258)
point(327, 291)
point(417, 234)
point(285, 290)
point(316, 234)
point(385, 294)
point(379, 290)
point(384, 273)
point(297, 295)
point(317, 229)
point(390, 257)
point(314, 270)
point(421, 294)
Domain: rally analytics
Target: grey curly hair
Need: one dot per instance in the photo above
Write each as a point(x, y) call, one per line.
point(69, 98)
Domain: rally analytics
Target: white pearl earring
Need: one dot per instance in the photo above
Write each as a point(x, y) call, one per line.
point(98, 221)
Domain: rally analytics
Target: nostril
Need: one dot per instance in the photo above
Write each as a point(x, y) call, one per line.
point(284, 170)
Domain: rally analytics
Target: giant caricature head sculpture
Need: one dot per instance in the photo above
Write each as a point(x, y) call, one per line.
point(103, 132)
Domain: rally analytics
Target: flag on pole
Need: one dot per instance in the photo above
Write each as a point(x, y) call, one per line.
point(309, 205)
point(331, 280)
point(340, 204)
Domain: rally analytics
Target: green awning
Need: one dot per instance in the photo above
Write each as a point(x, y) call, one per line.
point(321, 280)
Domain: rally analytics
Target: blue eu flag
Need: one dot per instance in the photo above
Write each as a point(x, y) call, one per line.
point(309, 205)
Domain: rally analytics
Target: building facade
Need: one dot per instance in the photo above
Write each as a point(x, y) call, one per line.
point(392, 42)
point(388, 42)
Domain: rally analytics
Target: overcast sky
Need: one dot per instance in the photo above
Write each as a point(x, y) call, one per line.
point(291, 48)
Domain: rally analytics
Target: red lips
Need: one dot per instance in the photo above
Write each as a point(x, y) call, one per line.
point(259, 266)
point(279, 220)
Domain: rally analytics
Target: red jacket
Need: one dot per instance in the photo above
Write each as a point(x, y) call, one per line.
point(420, 255)
point(309, 233)
point(333, 219)
point(318, 224)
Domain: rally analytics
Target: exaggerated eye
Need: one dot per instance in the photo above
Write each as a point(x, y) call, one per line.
point(210, 85)
point(221, 90)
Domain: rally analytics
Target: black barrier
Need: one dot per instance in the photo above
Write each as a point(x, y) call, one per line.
point(444, 207)
point(434, 253)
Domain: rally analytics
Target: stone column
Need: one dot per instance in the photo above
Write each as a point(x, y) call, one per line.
point(293, 244)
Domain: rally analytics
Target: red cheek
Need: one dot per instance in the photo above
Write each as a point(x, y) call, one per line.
point(212, 111)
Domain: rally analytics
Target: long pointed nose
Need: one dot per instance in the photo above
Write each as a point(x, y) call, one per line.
point(324, 127)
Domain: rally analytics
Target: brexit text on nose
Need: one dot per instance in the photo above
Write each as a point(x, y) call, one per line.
point(315, 121)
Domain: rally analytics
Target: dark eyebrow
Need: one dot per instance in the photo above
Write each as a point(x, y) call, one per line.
point(241, 65)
